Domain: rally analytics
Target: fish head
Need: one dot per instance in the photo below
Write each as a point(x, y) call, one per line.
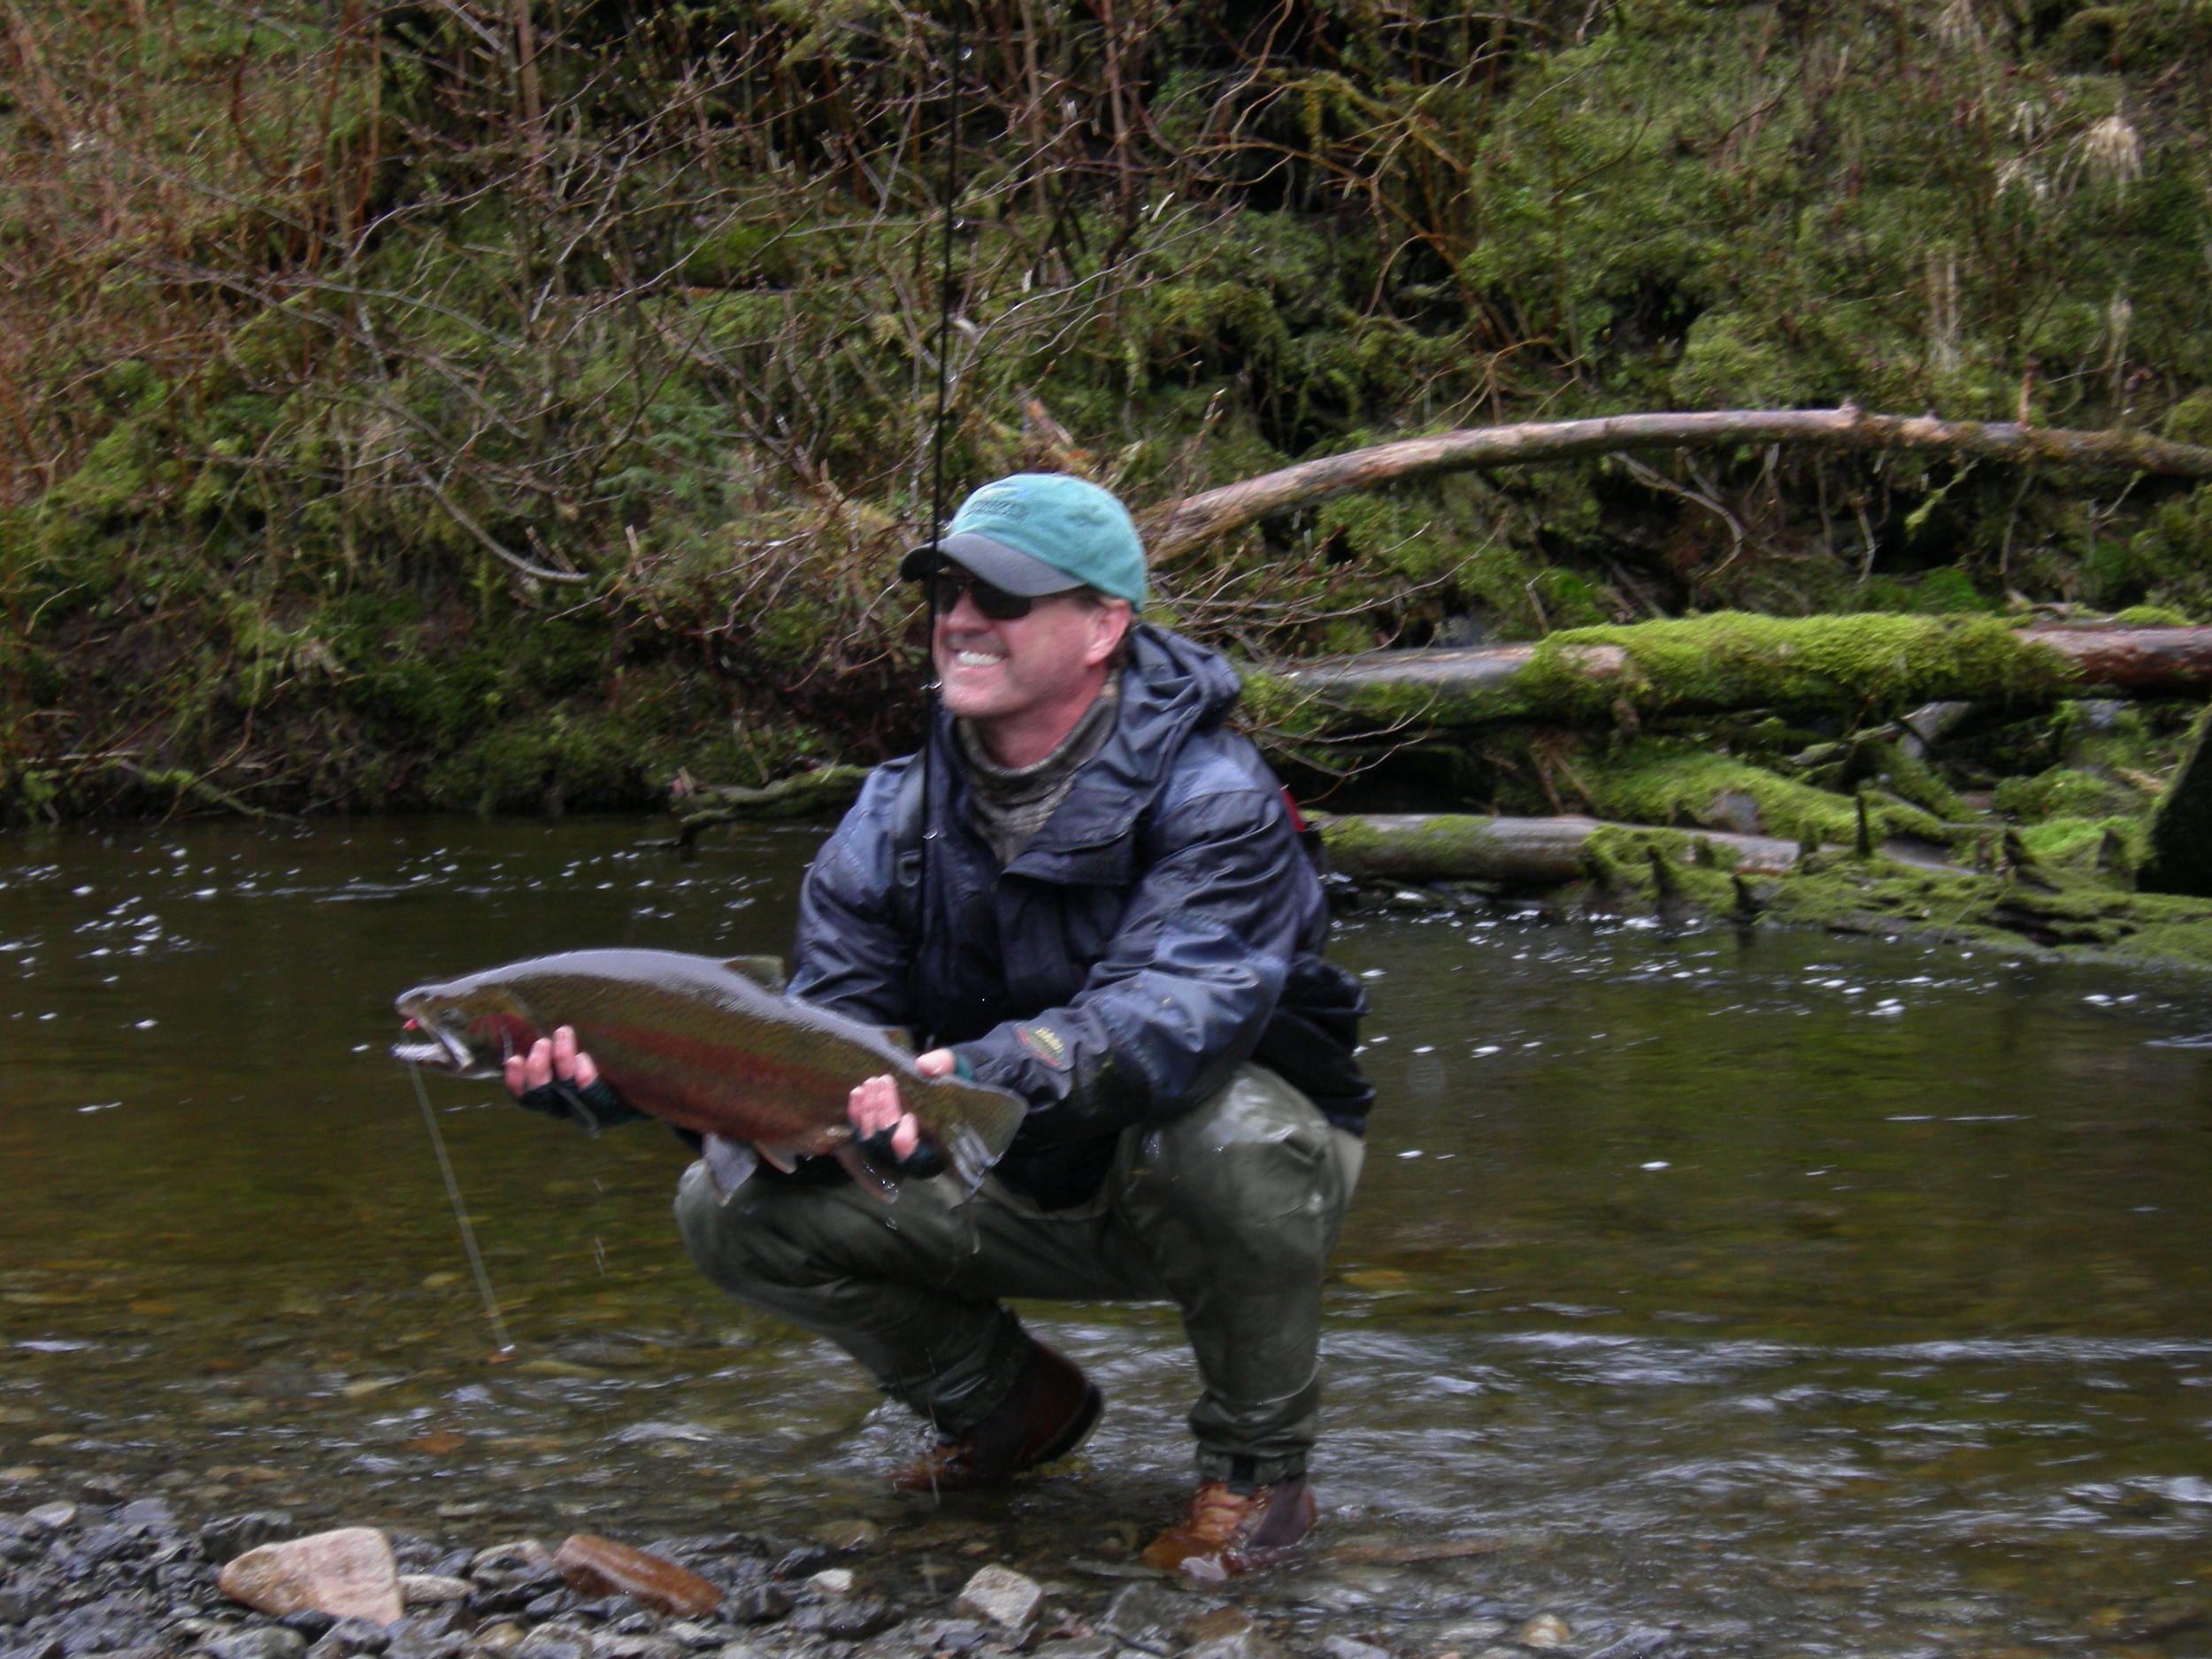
point(471, 1030)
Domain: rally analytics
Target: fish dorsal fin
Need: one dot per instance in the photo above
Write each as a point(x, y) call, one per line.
point(765, 971)
point(898, 1037)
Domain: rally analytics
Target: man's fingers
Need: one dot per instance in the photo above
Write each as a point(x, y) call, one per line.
point(906, 1137)
point(536, 1067)
point(936, 1062)
point(873, 1105)
point(516, 1082)
point(587, 1071)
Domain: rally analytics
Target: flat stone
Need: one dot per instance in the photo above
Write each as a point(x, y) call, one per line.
point(1546, 1630)
point(555, 1641)
point(832, 1581)
point(1468, 1633)
point(52, 1516)
point(1078, 1648)
point(999, 1595)
point(357, 1635)
point(147, 1512)
point(636, 1647)
point(595, 1566)
point(1351, 1647)
point(431, 1589)
point(519, 1555)
point(847, 1617)
point(1145, 1615)
point(503, 1636)
point(269, 1641)
point(348, 1573)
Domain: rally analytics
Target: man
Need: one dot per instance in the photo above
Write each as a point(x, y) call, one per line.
point(1088, 890)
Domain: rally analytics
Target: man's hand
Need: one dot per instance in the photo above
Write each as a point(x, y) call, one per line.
point(560, 1080)
point(874, 1107)
point(551, 1057)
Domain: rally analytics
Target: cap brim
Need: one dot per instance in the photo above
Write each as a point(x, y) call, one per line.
point(1007, 569)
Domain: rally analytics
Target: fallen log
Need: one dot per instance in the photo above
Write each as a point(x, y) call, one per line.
point(1867, 665)
point(700, 807)
point(1196, 520)
point(1520, 852)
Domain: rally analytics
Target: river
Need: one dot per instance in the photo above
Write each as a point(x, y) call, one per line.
point(1806, 1295)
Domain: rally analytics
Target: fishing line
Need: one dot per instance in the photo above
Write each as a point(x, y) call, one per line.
point(461, 1214)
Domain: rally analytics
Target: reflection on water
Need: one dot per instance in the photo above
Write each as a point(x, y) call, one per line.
point(1811, 1295)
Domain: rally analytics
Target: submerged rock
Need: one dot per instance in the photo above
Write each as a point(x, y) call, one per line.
point(999, 1595)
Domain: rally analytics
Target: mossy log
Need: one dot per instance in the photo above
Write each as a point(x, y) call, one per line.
point(1865, 665)
point(1521, 852)
point(1214, 513)
point(807, 795)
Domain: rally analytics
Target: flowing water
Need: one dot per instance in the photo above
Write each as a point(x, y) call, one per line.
point(1803, 1295)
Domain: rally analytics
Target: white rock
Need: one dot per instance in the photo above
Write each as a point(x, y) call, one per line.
point(833, 1581)
point(1546, 1630)
point(347, 1574)
point(431, 1589)
point(999, 1595)
point(52, 1516)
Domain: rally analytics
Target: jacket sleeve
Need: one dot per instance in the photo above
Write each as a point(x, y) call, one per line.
point(850, 954)
point(1186, 984)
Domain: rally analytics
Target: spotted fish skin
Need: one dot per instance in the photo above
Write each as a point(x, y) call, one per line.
point(703, 1045)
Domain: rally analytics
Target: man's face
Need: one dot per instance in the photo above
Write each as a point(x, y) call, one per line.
point(1026, 666)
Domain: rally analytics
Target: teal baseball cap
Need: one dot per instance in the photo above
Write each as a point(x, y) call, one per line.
point(1041, 533)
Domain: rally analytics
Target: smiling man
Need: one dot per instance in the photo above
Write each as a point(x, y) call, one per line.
point(1089, 890)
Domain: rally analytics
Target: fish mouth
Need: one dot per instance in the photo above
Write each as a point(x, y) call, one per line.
point(447, 1053)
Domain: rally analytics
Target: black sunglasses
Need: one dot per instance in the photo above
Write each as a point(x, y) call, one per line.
point(946, 584)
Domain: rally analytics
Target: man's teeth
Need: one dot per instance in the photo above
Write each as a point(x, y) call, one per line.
point(976, 659)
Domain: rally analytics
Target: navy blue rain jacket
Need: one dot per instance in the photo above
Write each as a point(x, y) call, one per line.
point(1163, 926)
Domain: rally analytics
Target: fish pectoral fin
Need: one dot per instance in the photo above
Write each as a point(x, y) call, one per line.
point(765, 971)
point(866, 1177)
point(730, 1164)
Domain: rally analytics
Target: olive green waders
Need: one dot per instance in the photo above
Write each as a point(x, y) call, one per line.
point(1228, 1211)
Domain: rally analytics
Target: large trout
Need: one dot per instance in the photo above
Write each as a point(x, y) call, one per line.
point(704, 1046)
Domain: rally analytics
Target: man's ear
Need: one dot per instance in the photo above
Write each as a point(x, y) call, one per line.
point(1109, 622)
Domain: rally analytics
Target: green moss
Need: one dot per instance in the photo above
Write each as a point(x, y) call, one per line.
point(1673, 782)
point(2064, 792)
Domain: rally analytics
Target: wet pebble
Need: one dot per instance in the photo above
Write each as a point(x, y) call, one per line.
point(1350, 1647)
point(1001, 1596)
point(431, 1589)
point(270, 1641)
point(1546, 1630)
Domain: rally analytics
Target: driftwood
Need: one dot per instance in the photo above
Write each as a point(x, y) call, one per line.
point(1213, 513)
point(1520, 852)
point(1561, 679)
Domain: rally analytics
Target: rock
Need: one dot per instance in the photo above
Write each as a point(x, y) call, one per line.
point(693, 1635)
point(849, 1535)
point(847, 1617)
point(52, 1516)
point(359, 1635)
point(147, 1512)
point(348, 1573)
point(1639, 1641)
point(596, 1566)
point(832, 1581)
point(269, 1641)
point(520, 1554)
point(1349, 1647)
point(310, 1621)
point(757, 1604)
point(636, 1647)
point(231, 1535)
point(1147, 1614)
point(1546, 1630)
point(431, 1589)
point(1078, 1648)
point(503, 1636)
point(1244, 1644)
point(999, 1595)
point(555, 1641)
point(1472, 1632)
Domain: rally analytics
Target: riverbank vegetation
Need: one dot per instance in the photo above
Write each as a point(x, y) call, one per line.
point(507, 407)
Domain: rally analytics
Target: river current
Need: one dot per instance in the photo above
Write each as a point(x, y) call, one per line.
point(1801, 1295)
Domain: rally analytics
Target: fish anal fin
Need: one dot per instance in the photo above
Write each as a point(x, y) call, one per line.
point(730, 1164)
point(765, 971)
point(783, 1157)
point(968, 1153)
point(865, 1176)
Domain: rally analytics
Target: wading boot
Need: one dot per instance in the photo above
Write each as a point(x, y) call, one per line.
point(1045, 1415)
point(1225, 1531)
